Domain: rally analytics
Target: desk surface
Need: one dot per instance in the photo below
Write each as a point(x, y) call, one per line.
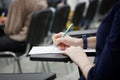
point(79, 33)
point(27, 76)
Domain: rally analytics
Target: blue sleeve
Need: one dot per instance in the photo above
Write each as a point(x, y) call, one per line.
point(108, 65)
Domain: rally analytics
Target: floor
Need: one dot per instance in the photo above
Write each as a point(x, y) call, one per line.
point(64, 71)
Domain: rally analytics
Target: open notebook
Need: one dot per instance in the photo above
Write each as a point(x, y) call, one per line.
point(50, 49)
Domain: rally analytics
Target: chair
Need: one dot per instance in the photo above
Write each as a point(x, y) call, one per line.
point(90, 14)
point(36, 33)
point(58, 22)
point(60, 18)
point(78, 14)
point(39, 27)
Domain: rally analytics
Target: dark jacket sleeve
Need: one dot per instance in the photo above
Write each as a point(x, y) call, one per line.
point(108, 65)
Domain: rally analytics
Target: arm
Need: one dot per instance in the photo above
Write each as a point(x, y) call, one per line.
point(108, 66)
point(70, 41)
point(76, 53)
point(79, 57)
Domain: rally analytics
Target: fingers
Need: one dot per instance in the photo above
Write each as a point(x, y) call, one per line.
point(58, 35)
point(55, 37)
point(60, 42)
point(62, 46)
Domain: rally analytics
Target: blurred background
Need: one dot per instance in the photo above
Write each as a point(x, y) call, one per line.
point(84, 14)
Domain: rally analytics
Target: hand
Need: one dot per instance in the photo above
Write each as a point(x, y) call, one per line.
point(63, 43)
point(76, 54)
point(79, 57)
point(2, 20)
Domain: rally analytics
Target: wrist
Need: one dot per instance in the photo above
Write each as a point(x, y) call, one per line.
point(85, 70)
point(79, 42)
point(87, 66)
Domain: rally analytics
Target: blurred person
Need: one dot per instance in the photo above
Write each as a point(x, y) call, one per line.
point(106, 65)
point(17, 24)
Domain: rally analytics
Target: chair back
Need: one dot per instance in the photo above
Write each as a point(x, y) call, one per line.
point(78, 13)
point(60, 19)
point(90, 14)
point(38, 27)
point(91, 11)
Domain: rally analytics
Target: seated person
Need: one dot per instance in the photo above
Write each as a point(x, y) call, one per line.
point(107, 44)
point(17, 24)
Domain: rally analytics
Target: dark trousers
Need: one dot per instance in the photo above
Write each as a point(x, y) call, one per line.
point(7, 44)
